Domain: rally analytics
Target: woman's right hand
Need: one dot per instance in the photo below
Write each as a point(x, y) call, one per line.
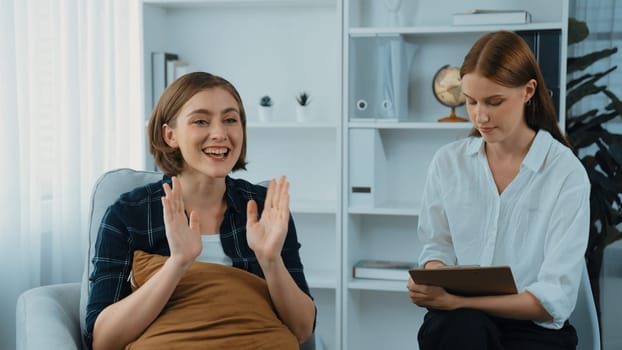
point(184, 239)
point(431, 296)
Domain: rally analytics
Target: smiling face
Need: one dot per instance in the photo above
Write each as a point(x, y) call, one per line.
point(497, 111)
point(209, 133)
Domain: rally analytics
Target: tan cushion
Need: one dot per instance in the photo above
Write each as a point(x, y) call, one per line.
point(213, 307)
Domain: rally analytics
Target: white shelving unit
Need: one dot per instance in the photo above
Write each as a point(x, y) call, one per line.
point(381, 208)
point(277, 48)
point(280, 47)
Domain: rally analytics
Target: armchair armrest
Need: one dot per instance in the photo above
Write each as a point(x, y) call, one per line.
point(48, 318)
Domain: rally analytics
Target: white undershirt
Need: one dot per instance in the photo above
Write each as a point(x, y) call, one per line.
point(212, 251)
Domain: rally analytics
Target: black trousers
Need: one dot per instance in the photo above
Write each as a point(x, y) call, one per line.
point(472, 329)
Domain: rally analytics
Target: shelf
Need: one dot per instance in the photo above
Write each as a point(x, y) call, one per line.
point(291, 125)
point(314, 206)
point(321, 279)
point(197, 3)
point(382, 124)
point(380, 285)
point(431, 30)
point(413, 211)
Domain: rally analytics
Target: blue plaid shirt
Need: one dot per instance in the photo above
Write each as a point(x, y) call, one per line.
point(135, 222)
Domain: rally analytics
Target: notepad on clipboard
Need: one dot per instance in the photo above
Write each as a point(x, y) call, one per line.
point(468, 280)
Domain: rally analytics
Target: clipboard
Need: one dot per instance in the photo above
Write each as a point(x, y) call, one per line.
point(468, 280)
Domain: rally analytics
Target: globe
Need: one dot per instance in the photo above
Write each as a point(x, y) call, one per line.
point(447, 88)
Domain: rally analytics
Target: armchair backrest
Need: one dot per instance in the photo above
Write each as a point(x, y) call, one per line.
point(584, 317)
point(106, 191)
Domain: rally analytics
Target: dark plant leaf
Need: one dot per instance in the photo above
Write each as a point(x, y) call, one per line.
point(612, 234)
point(584, 90)
point(581, 118)
point(611, 138)
point(597, 177)
point(615, 149)
point(571, 84)
point(616, 104)
point(576, 64)
point(589, 162)
point(577, 30)
point(600, 119)
point(582, 139)
point(607, 163)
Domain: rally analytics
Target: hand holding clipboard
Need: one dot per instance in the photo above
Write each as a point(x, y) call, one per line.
point(468, 280)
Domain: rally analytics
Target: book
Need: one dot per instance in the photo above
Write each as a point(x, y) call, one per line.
point(483, 17)
point(383, 270)
point(159, 75)
point(175, 69)
point(546, 47)
point(468, 280)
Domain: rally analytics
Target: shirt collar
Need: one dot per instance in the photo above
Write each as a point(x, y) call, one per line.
point(535, 156)
point(475, 146)
point(538, 150)
point(233, 201)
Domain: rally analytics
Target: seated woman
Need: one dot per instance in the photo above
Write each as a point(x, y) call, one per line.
point(511, 194)
point(173, 231)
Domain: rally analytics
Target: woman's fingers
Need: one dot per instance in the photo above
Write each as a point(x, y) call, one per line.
point(251, 212)
point(173, 196)
point(284, 194)
point(270, 195)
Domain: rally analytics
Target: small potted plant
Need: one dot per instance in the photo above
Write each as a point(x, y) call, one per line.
point(303, 99)
point(265, 108)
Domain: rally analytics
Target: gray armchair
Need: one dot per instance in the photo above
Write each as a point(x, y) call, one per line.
point(52, 317)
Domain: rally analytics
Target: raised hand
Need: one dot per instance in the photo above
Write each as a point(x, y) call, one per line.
point(267, 235)
point(184, 239)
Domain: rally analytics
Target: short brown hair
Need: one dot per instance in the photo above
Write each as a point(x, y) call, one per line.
point(168, 159)
point(505, 58)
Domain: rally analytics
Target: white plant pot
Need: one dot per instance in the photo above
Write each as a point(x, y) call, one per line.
point(265, 114)
point(302, 113)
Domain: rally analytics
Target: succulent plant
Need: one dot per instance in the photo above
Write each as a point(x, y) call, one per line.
point(266, 101)
point(303, 98)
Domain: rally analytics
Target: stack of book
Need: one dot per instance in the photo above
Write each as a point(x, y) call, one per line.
point(383, 270)
point(484, 17)
point(166, 67)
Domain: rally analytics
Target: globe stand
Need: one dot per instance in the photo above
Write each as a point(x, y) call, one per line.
point(453, 118)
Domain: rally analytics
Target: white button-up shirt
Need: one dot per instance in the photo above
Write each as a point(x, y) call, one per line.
point(539, 225)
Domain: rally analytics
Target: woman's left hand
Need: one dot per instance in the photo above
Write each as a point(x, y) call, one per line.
point(267, 235)
point(431, 296)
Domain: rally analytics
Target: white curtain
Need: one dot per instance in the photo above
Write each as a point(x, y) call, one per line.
point(604, 20)
point(71, 107)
